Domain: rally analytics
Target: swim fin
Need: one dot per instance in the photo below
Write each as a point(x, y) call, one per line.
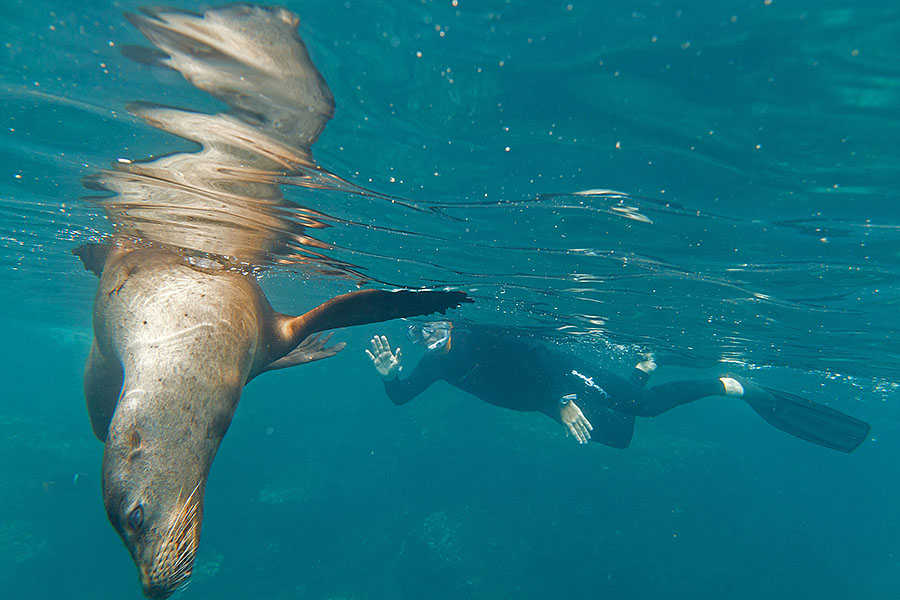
point(806, 419)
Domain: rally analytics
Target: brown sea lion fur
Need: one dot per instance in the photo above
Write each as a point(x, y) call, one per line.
point(174, 345)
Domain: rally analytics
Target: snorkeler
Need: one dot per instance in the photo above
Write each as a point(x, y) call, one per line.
point(593, 404)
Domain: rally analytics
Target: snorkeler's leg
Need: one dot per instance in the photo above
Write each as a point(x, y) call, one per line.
point(629, 398)
point(611, 403)
point(642, 370)
point(666, 396)
point(611, 428)
point(792, 414)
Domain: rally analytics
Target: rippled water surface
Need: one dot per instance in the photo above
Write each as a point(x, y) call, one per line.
point(714, 182)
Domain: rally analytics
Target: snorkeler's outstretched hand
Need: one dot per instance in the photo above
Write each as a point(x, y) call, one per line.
point(386, 362)
point(576, 422)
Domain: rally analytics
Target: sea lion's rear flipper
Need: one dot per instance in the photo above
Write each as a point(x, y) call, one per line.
point(93, 256)
point(311, 349)
point(102, 385)
point(368, 306)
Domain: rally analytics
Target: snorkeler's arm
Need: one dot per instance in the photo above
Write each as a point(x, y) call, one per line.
point(427, 371)
point(566, 407)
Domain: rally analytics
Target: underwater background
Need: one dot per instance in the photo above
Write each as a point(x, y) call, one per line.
point(753, 149)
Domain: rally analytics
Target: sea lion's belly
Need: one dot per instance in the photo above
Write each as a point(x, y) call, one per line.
point(164, 319)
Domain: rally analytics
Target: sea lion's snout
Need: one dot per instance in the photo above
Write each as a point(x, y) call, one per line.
point(172, 564)
point(154, 589)
point(161, 588)
point(169, 572)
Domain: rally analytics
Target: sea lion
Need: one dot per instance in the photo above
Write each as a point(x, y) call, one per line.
point(180, 324)
point(175, 341)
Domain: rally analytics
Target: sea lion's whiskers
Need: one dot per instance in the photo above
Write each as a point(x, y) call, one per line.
point(184, 554)
point(181, 587)
point(182, 524)
point(182, 564)
point(180, 547)
point(185, 519)
point(181, 572)
point(185, 515)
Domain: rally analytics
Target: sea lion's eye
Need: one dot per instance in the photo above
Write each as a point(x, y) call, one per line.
point(136, 518)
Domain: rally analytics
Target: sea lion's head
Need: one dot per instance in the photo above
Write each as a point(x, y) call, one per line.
point(153, 495)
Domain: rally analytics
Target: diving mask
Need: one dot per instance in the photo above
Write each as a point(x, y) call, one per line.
point(435, 336)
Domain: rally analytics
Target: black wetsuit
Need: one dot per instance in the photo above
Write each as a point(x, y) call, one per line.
point(509, 372)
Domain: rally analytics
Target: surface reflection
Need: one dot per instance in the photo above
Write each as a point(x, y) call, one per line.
point(224, 200)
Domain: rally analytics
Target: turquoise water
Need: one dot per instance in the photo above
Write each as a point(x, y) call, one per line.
point(753, 149)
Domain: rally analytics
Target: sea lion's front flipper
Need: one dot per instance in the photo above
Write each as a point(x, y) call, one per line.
point(93, 256)
point(368, 306)
point(311, 349)
point(102, 385)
